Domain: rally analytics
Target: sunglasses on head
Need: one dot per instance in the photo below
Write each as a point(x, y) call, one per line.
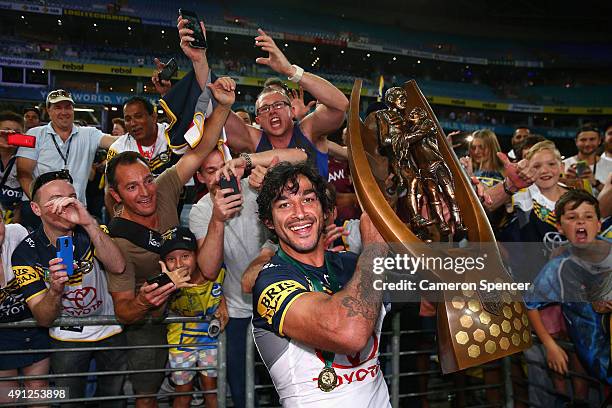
point(59, 92)
point(49, 177)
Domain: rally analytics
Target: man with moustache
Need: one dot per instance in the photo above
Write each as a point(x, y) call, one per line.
point(61, 144)
point(144, 135)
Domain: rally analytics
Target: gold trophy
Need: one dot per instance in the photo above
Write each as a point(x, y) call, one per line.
point(406, 176)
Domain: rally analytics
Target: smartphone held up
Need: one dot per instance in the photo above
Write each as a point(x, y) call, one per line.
point(65, 250)
point(170, 69)
point(194, 25)
point(18, 139)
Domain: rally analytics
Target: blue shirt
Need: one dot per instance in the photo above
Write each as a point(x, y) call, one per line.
point(82, 142)
point(569, 281)
point(316, 158)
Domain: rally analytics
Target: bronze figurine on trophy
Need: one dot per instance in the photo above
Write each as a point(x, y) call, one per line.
point(408, 139)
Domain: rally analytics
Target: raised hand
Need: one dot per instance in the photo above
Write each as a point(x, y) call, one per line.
point(481, 192)
point(466, 163)
point(163, 86)
point(276, 59)
point(259, 172)
point(297, 103)
point(332, 233)
point(71, 210)
point(185, 35)
point(223, 90)
point(369, 233)
point(518, 175)
point(236, 166)
point(180, 277)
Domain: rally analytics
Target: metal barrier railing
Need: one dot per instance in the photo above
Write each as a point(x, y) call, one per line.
point(436, 384)
point(107, 320)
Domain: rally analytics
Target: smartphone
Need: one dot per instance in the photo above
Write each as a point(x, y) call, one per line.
point(581, 167)
point(194, 24)
point(169, 70)
point(18, 139)
point(231, 183)
point(65, 251)
point(161, 280)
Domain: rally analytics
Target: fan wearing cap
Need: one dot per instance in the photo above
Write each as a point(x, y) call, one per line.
point(61, 144)
point(49, 292)
point(203, 299)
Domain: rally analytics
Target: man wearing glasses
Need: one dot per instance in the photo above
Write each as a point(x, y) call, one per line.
point(273, 108)
point(61, 145)
point(50, 292)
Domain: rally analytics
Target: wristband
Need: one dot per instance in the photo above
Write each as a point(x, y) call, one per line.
point(506, 188)
point(297, 77)
point(248, 161)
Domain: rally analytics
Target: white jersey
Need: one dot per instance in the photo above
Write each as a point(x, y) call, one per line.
point(159, 155)
point(294, 366)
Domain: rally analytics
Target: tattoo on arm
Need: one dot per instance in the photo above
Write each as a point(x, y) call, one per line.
point(362, 299)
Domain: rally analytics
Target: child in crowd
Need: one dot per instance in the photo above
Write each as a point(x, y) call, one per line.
point(577, 279)
point(485, 164)
point(203, 299)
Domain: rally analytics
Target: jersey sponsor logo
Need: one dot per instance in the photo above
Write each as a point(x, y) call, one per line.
point(8, 192)
point(336, 175)
point(274, 295)
point(111, 153)
point(25, 275)
point(30, 242)
point(81, 301)
point(347, 361)
point(12, 305)
point(358, 375)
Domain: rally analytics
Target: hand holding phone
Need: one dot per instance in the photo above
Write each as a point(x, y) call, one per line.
point(162, 279)
point(581, 168)
point(65, 250)
point(169, 70)
point(231, 183)
point(199, 40)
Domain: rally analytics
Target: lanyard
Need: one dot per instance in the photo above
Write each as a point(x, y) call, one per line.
point(59, 151)
point(149, 154)
point(328, 356)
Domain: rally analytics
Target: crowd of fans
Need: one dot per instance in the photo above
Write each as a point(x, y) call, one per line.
point(145, 265)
